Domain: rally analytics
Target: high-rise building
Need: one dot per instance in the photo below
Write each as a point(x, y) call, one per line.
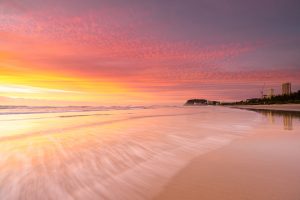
point(286, 88)
point(270, 93)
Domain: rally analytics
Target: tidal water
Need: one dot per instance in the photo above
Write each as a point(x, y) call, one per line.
point(115, 153)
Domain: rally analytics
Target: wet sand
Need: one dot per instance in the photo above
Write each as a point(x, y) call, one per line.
point(280, 107)
point(117, 154)
point(262, 166)
point(212, 152)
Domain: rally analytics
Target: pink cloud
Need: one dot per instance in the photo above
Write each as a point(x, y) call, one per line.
point(128, 46)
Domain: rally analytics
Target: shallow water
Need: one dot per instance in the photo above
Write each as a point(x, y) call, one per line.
point(115, 153)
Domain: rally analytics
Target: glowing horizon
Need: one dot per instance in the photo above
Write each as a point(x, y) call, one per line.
point(140, 52)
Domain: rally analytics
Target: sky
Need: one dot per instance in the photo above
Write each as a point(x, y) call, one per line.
point(140, 52)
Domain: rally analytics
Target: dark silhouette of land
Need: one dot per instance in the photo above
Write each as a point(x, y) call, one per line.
point(196, 102)
point(293, 98)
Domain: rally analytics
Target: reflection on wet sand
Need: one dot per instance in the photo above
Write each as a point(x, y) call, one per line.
point(116, 156)
point(288, 122)
point(287, 117)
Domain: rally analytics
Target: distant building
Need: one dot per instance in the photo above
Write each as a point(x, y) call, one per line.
point(270, 93)
point(286, 88)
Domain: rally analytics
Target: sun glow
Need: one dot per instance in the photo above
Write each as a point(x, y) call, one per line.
point(31, 86)
point(16, 89)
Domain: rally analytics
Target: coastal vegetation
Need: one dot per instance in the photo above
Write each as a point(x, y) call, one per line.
point(277, 99)
point(194, 102)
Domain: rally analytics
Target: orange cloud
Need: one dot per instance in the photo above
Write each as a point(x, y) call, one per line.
point(115, 55)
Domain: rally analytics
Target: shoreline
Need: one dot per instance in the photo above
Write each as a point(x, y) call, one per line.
point(261, 166)
point(272, 107)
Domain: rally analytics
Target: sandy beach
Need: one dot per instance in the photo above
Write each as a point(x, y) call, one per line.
point(262, 166)
point(279, 107)
point(137, 100)
point(209, 152)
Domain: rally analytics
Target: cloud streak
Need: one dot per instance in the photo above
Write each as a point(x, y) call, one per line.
point(149, 47)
